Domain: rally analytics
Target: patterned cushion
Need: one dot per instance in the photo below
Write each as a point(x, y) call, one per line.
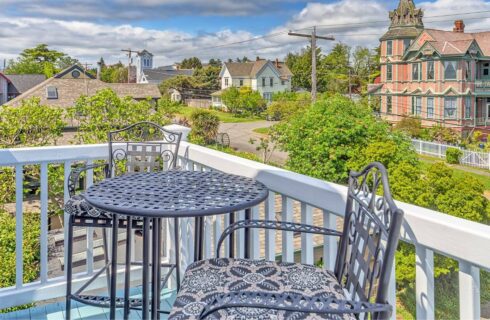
point(204, 279)
point(78, 206)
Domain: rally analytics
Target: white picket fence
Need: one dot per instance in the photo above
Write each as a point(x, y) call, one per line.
point(469, 158)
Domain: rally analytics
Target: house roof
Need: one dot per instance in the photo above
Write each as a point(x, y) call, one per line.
point(251, 69)
point(161, 74)
point(20, 83)
point(69, 90)
point(3, 76)
point(406, 21)
point(454, 43)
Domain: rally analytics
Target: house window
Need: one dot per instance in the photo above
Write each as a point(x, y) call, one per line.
point(263, 81)
point(416, 106)
point(468, 70)
point(486, 69)
point(51, 92)
point(226, 82)
point(283, 82)
point(430, 107)
point(450, 107)
point(406, 44)
point(450, 68)
point(241, 82)
point(271, 82)
point(389, 72)
point(389, 104)
point(467, 107)
point(389, 48)
point(430, 70)
point(416, 71)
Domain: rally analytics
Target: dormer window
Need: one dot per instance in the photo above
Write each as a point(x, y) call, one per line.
point(51, 92)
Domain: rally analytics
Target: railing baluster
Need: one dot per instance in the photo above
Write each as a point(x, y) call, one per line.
point(19, 223)
point(240, 237)
point(287, 236)
point(217, 233)
point(208, 228)
point(306, 239)
point(66, 196)
point(329, 242)
point(424, 269)
point(469, 291)
point(44, 222)
point(270, 235)
point(392, 292)
point(226, 244)
point(254, 236)
point(90, 230)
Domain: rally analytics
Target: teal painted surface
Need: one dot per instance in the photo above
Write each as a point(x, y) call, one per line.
point(56, 311)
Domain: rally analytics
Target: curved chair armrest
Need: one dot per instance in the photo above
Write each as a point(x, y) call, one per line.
point(293, 302)
point(274, 225)
point(74, 176)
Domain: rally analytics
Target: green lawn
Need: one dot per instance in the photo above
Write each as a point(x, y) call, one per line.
point(223, 116)
point(262, 130)
point(481, 175)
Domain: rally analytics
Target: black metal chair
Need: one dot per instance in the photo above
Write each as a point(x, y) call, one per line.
point(224, 288)
point(141, 147)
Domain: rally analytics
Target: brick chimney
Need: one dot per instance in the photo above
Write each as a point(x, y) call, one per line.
point(459, 26)
point(257, 59)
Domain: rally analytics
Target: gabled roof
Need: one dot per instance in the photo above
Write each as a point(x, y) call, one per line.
point(71, 69)
point(165, 74)
point(69, 90)
point(20, 83)
point(251, 69)
point(3, 76)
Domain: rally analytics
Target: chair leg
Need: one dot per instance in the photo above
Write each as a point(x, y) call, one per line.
point(177, 252)
point(106, 257)
point(68, 266)
point(127, 274)
point(113, 287)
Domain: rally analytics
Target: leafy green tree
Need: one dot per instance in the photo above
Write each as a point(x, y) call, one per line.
point(116, 73)
point(105, 111)
point(30, 124)
point(215, 62)
point(243, 101)
point(286, 104)
point(411, 126)
point(205, 126)
point(191, 63)
point(208, 77)
point(325, 140)
point(40, 60)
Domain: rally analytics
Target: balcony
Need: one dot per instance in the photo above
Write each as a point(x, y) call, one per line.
point(292, 197)
point(482, 86)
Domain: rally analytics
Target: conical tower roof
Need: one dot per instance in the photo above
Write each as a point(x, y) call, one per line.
point(406, 21)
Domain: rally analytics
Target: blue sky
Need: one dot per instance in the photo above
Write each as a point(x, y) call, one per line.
point(174, 29)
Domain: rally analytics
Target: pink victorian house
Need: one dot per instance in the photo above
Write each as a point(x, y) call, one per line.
point(442, 77)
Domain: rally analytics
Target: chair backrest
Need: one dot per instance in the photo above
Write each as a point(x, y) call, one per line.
point(142, 147)
point(371, 231)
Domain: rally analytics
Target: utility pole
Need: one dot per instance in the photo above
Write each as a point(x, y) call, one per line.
point(130, 54)
point(313, 37)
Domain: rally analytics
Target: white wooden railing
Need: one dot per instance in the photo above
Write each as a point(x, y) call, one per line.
point(294, 196)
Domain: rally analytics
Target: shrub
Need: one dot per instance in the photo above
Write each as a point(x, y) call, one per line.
point(453, 155)
point(411, 126)
point(205, 126)
point(243, 101)
point(280, 110)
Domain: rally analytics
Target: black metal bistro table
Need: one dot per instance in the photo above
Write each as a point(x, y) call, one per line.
point(172, 194)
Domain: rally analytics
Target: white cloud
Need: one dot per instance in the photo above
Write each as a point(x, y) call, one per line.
point(346, 20)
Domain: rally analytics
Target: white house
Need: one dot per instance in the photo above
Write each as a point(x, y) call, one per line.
point(265, 76)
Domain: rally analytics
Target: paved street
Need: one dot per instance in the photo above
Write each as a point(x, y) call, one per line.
point(240, 134)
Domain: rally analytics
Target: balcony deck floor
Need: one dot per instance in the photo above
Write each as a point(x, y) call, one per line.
point(56, 311)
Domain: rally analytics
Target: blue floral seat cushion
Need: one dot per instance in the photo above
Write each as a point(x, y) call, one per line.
point(78, 206)
point(204, 279)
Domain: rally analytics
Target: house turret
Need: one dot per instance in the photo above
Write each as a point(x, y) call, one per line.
point(144, 61)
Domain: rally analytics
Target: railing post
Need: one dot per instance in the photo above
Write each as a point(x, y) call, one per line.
point(66, 197)
point(469, 291)
point(44, 222)
point(424, 286)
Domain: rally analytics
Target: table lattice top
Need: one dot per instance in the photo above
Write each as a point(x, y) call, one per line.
point(176, 194)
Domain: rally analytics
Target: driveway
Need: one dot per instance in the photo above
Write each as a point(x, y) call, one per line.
point(241, 133)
